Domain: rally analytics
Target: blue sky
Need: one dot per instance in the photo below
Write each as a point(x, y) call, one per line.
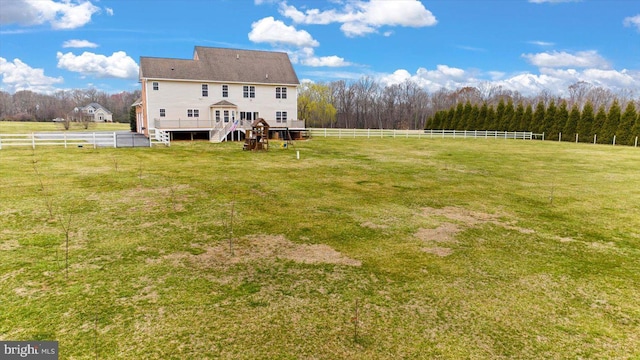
point(523, 45)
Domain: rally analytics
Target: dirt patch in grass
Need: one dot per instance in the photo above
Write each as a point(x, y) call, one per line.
point(371, 225)
point(442, 234)
point(9, 245)
point(468, 218)
point(440, 251)
point(261, 247)
point(458, 219)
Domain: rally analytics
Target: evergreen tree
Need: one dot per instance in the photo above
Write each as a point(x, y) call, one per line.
point(549, 118)
point(537, 123)
point(598, 124)
point(611, 123)
point(509, 112)
point(635, 131)
point(499, 119)
point(527, 119)
point(466, 116)
point(570, 128)
point(481, 122)
point(559, 120)
point(473, 118)
point(585, 134)
point(457, 119)
point(627, 121)
point(133, 121)
point(451, 115)
point(516, 120)
point(490, 121)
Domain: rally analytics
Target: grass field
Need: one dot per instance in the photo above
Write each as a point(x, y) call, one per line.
point(21, 127)
point(449, 248)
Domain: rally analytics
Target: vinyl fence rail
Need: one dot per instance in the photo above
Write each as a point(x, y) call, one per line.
point(423, 134)
point(79, 139)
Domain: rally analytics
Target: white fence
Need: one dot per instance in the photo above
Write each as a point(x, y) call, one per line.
point(424, 134)
point(160, 136)
point(79, 139)
point(75, 139)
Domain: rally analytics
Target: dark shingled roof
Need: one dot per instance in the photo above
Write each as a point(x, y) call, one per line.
point(223, 65)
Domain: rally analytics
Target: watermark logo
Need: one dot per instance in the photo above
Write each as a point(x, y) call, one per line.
point(32, 350)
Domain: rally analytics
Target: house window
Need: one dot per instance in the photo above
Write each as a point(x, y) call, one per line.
point(217, 115)
point(193, 113)
point(281, 116)
point(281, 93)
point(249, 91)
point(162, 112)
point(189, 112)
point(226, 116)
point(155, 85)
point(225, 91)
point(205, 90)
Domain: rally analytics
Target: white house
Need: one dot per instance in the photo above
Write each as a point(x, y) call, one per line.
point(94, 112)
point(218, 94)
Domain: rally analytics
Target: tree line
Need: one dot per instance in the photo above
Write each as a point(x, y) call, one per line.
point(27, 105)
point(367, 103)
point(556, 121)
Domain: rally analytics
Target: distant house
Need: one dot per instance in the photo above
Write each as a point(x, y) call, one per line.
point(93, 112)
point(218, 94)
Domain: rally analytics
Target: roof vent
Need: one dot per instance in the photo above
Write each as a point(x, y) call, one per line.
point(237, 56)
point(266, 76)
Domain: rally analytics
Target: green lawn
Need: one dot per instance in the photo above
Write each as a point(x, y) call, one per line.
point(21, 127)
point(451, 249)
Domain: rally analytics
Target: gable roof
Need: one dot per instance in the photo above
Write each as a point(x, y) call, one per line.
point(223, 103)
point(95, 106)
point(223, 65)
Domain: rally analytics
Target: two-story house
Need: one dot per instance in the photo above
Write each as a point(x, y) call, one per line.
point(218, 94)
point(92, 112)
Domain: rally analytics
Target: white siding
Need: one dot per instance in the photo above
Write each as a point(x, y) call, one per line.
point(178, 96)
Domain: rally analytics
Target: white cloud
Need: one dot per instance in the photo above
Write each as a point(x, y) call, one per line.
point(66, 14)
point(269, 30)
point(554, 80)
point(541, 43)
point(632, 21)
point(109, 11)
point(329, 61)
point(359, 18)
point(18, 76)
point(79, 44)
point(306, 56)
point(118, 65)
point(582, 59)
